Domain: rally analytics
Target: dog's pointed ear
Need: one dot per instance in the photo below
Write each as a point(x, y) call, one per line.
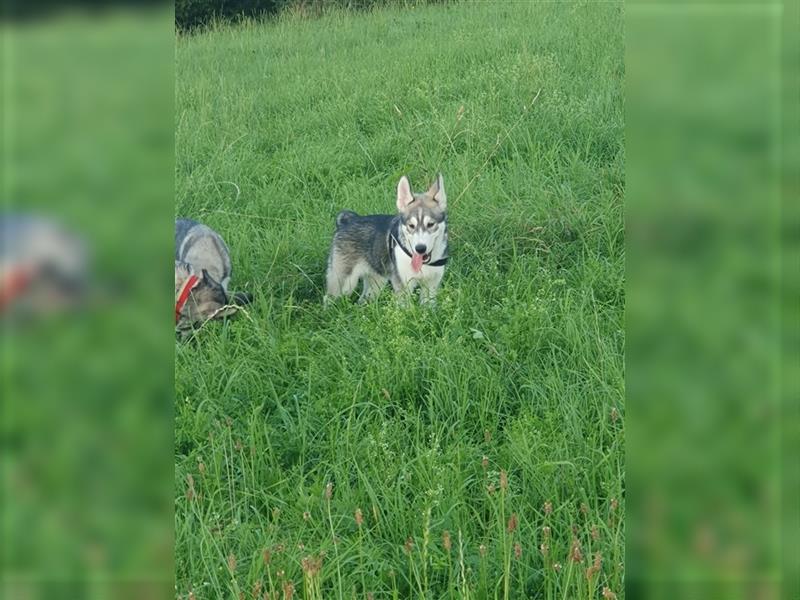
point(404, 195)
point(437, 192)
point(207, 278)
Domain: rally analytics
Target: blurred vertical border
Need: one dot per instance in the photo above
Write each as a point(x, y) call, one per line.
point(86, 413)
point(790, 296)
point(712, 319)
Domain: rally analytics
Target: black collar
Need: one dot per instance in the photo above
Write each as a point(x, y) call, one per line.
point(393, 241)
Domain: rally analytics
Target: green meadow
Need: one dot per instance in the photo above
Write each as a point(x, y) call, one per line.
point(474, 450)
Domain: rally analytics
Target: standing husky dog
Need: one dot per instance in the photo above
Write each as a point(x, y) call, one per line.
point(202, 274)
point(408, 248)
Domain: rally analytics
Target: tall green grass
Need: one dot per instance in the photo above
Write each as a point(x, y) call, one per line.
point(471, 451)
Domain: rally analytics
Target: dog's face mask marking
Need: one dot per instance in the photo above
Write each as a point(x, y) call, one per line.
point(204, 302)
point(423, 216)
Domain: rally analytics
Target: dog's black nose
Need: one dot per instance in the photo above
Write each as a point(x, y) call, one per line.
point(420, 248)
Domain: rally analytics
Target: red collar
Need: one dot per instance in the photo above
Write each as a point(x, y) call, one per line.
point(187, 288)
point(13, 284)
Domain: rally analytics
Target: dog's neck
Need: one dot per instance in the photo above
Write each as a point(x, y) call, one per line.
point(182, 272)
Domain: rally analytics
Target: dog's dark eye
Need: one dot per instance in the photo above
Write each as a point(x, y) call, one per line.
point(411, 226)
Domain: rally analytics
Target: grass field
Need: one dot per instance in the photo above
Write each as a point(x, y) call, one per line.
point(472, 451)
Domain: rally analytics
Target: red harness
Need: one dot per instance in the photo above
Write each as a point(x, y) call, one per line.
point(183, 296)
point(13, 284)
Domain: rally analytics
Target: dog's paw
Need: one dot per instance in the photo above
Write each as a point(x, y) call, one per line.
point(328, 301)
point(403, 300)
point(428, 302)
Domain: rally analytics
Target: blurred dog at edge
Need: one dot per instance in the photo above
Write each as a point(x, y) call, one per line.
point(44, 267)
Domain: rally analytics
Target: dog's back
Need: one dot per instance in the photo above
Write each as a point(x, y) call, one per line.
point(363, 238)
point(203, 248)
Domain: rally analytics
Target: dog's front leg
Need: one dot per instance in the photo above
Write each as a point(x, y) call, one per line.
point(427, 294)
point(403, 290)
point(429, 289)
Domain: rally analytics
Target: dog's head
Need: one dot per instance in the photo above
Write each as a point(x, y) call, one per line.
point(205, 300)
point(423, 216)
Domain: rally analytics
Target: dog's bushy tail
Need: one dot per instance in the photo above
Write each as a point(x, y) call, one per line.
point(344, 217)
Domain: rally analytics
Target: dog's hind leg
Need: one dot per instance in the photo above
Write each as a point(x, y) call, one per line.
point(333, 284)
point(341, 282)
point(335, 277)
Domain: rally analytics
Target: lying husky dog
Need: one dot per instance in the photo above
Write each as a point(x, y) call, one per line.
point(202, 274)
point(408, 248)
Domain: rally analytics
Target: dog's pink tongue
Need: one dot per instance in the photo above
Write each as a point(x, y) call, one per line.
point(416, 262)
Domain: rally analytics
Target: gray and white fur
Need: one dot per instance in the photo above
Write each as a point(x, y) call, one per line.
point(201, 251)
point(408, 249)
